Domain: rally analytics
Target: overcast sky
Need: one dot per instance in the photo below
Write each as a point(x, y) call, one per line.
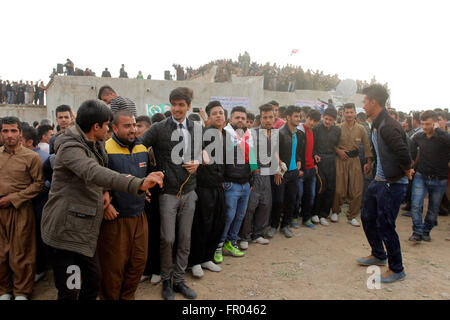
point(404, 43)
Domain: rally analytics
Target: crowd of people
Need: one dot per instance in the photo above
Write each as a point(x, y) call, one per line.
point(121, 198)
point(13, 92)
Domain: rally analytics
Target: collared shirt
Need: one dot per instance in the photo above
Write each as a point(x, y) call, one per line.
point(21, 175)
point(351, 138)
point(325, 140)
point(184, 131)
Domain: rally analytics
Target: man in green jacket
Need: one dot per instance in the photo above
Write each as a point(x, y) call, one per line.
point(74, 212)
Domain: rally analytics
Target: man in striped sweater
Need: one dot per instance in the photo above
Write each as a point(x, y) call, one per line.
point(116, 102)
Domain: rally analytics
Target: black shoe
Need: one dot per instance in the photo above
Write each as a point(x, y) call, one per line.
point(167, 291)
point(406, 214)
point(426, 237)
point(415, 237)
point(187, 292)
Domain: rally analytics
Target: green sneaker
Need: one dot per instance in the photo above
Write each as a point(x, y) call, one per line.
point(232, 250)
point(218, 257)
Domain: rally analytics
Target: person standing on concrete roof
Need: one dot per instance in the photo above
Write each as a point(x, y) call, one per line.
point(106, 73)
point(116, 102)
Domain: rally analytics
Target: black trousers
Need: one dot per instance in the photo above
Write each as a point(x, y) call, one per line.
point(325, 190)
point(208, 224)
point(65, 265)
point(287, 191)
point(153, 265)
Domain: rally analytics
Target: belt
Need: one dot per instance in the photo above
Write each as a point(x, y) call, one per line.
point(353, 153)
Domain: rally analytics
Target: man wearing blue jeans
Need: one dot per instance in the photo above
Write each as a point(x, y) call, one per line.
point(385, 193)
point(239, 155)
point(433, 146)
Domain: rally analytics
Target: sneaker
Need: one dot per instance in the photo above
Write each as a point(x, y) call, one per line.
point(211, 266)
point(415, 237)
point(243, 245)
point(261, 240)
point(324, 222)
point(21, 298)
point(426, 237)
point(309, 224)
point(315, 219)
point(371, 261)
point(167, 291)
point(271, 232)
point(394, 277)
point(182, 288)
point(232, 250)
point(156, 278)
point(39, 276)
point(197, 271)
point(294, 223)
point(6, 296)
point(287, 232)
point(143, 278)
point(334, 217)
point(218, 257)
point(354, 222)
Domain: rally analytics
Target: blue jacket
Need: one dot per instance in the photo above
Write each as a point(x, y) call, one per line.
point(132, 160)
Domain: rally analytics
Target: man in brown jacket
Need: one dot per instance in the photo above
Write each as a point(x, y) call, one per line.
point(74, 212)
point(21, 180)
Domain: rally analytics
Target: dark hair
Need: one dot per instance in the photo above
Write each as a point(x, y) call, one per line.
point(281, 111)
point(11, 120)
point(416, 116)
point(121, 113)
point(211, 105)
point(182, 93)
point(157, 117)
point(250, 116)
point(35, 124)
point(305, 109)
point(63, 108)
point(226, 114)
point(144, 118)
point(258, 118)
point(350, 106)
point(274, 103)
point(43, 130)
point(428, 114)
point(168, 114)
point(291, 110)
point(377, 92)
point(361, 116)
point(104, 90)
point(409, 122)
point(265, 108)
point(330, 111)
point(28, 132)
point(393, 113)
point(238, 109)
point(442, 114)
point(92, 112)
point(314, 115)
point(194, 117)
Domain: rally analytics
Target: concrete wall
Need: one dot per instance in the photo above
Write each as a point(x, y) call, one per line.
point(27, 113)
point(74, 90)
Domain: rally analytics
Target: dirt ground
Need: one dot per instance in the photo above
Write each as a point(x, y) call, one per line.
point(316, 264)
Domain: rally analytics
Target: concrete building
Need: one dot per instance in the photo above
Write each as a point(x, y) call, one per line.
point(27, 113)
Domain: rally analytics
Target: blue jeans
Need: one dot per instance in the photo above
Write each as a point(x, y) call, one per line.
point(436, 189)
point(236, 200)
point(380, 210)
point(9, 94)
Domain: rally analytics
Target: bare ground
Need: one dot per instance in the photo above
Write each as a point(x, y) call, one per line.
point(316, 264)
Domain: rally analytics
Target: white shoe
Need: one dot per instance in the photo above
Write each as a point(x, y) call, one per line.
point(39, 276)
point(324, 222)
point(334, 217)
point(211, 266)
point(354, 223)
point(243, 245)
point(197, 271)
point(261, 240)
point(6, 296)
point(21, 298)
point(156, 278)
point(144, 278)
point(315, 219)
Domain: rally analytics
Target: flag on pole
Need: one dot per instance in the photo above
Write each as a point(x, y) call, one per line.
point(294, 51)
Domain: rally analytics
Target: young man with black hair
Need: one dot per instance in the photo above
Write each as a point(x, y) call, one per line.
point(250, 120)
point(278, 121)
point(240, 163)
point(209, 216)
point(21, 180)
point(64, 116)
point(349, 180)
point(177, 199)
point(307, 181)
point(75, 209)
point(431, 148)
point(143, 123)
point(326, 138)
point(385, 193)
point(116, 102)
point(285, 182)
point(260, 201)
point(44, 132)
